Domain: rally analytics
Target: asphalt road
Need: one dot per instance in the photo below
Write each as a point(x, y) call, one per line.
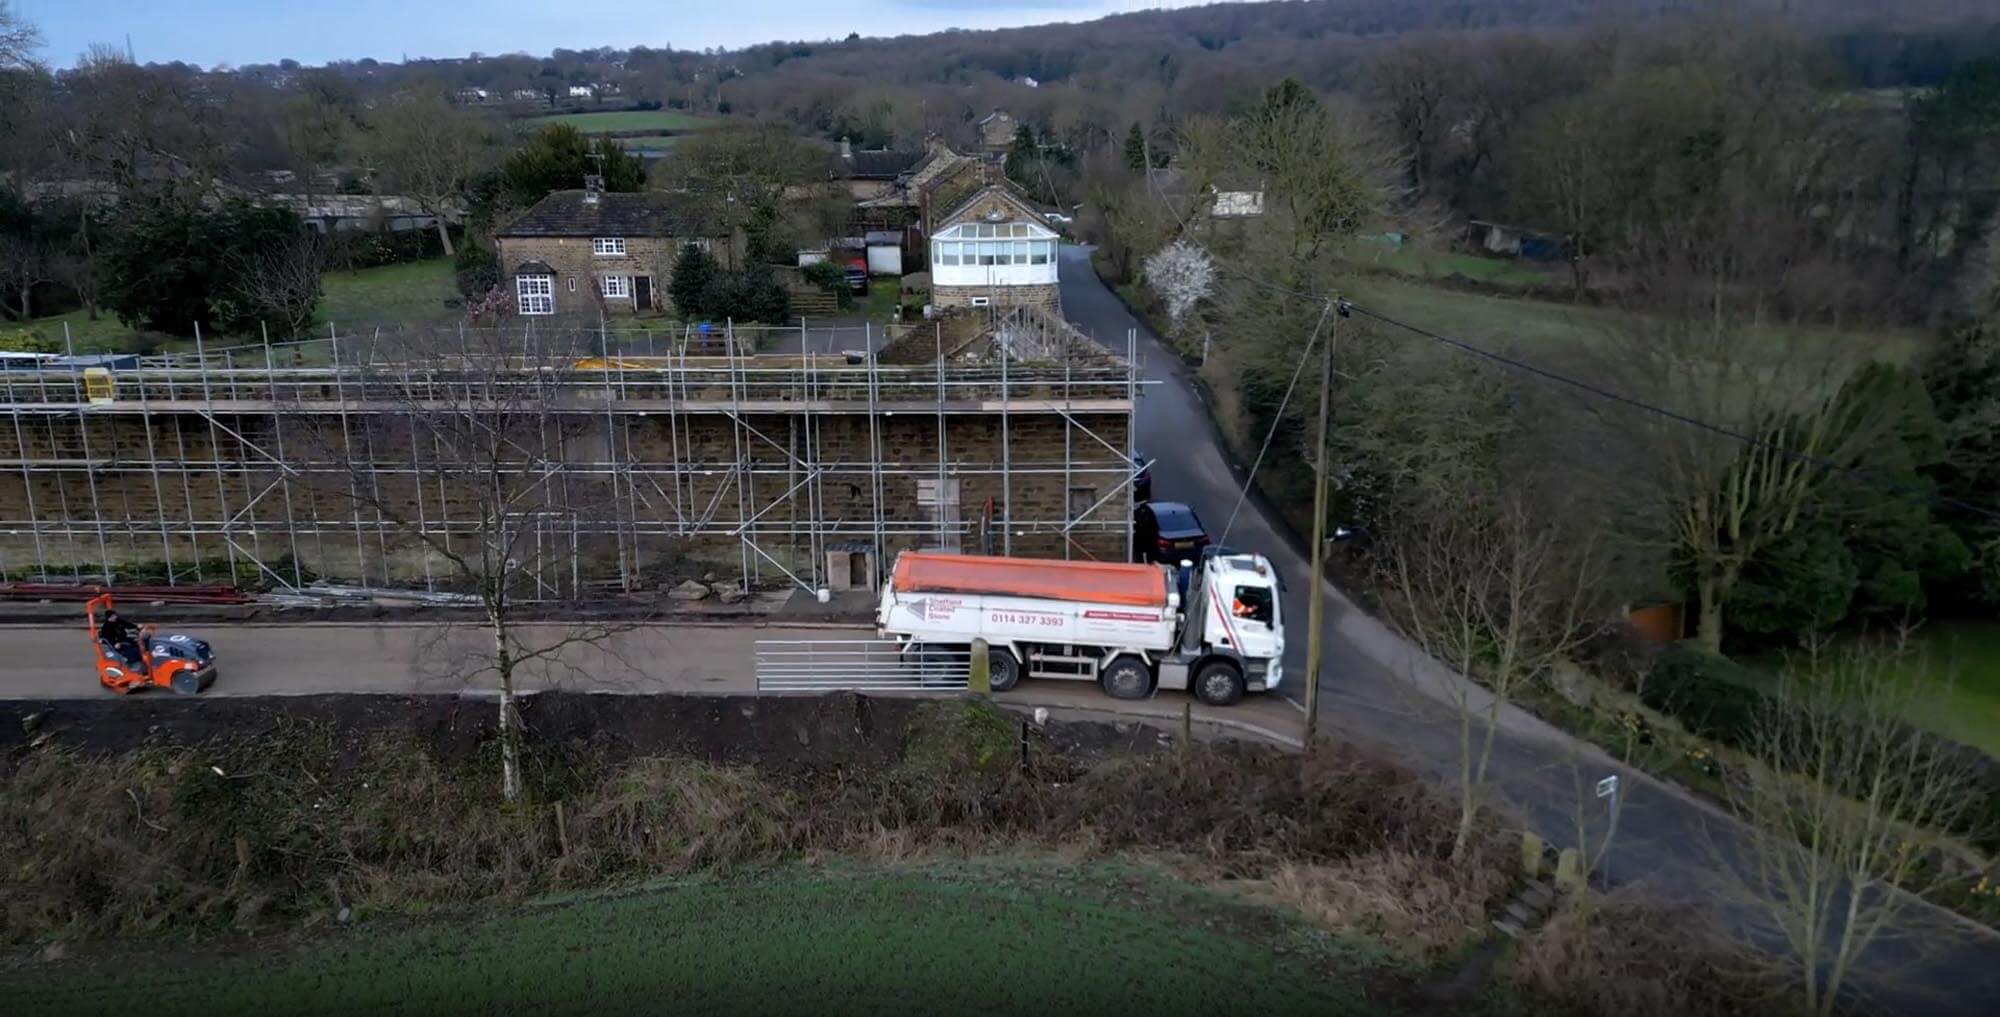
point(1376, 689)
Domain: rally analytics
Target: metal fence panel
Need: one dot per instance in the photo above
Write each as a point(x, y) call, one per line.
point(858, 665)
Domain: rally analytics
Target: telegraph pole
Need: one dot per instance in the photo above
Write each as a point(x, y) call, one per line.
point(1316, 613)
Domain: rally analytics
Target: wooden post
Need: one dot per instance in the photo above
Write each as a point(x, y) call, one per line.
point(1531, 854)
point(1316, 594)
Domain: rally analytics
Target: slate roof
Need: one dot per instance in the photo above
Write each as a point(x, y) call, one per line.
point(635, 214)
point(878, 165)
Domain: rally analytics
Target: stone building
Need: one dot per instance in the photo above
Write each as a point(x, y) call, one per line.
point(589, 250)
point(994, 250)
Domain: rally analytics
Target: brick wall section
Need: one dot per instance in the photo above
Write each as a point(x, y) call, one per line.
point(572, 259)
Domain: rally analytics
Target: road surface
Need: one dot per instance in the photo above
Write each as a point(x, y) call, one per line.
point(1376, 689)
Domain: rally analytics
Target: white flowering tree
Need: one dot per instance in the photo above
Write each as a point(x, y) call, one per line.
point(1182, 274)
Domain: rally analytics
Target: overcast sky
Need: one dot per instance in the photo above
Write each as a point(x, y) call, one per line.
point(210, 32)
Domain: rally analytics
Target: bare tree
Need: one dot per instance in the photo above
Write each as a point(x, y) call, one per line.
point(1851, 802)
point(284, 276)
point(425, 148)
point(1785, 423)
point(18, 38)
point(1485, 585)
point(497, 447)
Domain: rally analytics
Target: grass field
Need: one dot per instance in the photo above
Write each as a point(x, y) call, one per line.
point(1444, 264)
point(1959, 661)
point(105, 334)
point(1493, 321)
point(971, 938)
point(628, 120)
point(1965, 655)
point(410, 293)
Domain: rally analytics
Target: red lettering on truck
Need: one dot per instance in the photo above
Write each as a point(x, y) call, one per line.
point(1122, 616)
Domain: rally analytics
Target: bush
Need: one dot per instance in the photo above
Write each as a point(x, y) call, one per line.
point(475, 269)
point(302, 820)
point(21, 340)
point(1711, 695)
point(1615, 956)
point(358, 249)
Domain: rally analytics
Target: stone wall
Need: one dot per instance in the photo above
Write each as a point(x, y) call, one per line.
point(1047, 295)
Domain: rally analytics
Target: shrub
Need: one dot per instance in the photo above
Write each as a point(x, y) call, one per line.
point(1616, 956)
point(476, 269)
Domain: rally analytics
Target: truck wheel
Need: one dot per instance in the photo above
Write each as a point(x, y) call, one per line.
point(1002, 670)
point(1126, 678)
point(1218, 683)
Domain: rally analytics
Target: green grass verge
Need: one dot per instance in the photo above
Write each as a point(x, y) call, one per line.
point(409, 293)
point(971, 938)
point(627, 120)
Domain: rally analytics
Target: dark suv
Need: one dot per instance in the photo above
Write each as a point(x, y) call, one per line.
point(1166, 531)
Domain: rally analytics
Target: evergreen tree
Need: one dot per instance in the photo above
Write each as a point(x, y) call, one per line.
point(1135, 148)
point(694, 271)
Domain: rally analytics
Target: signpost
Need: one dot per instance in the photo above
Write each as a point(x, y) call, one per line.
point(1607, 789)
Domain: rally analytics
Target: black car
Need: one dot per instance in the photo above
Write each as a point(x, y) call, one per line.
point(1166, 531)
point(1142, 479)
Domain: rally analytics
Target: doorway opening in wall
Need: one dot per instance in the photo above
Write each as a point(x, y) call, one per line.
point(642, 292)
point(857, 571)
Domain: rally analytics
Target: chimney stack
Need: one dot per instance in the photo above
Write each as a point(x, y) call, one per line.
point(593, 185)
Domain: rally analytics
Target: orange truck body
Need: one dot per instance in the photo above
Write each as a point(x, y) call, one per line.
point(1078, 581)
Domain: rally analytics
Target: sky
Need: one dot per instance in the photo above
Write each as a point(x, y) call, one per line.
point(212, 32)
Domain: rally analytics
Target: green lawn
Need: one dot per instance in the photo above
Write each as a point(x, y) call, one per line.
point(628, 120)
point(1963, 656)
point(1444, 264)
point(105, 334)
point(410, 293)
point(971, 938)
point(1959, 662)
point(1492, 320)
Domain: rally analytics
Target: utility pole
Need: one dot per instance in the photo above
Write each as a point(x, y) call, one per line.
point(1316, 613)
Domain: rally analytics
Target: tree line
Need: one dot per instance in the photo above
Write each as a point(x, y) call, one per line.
point(1759, 246)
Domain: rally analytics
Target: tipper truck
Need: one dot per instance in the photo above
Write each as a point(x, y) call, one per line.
point(1213, 627)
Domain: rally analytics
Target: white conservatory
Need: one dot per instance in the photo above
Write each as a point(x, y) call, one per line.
point(993, 254)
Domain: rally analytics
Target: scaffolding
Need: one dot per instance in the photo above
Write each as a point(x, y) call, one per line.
point(785, 465)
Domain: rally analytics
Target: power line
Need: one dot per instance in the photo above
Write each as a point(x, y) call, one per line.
point(1276, 419)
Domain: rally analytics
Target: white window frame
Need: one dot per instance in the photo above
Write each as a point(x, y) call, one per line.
point(535, 294)
point(615, 287)
point(607, 247)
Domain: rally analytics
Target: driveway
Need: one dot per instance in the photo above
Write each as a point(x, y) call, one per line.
point(1376, 689)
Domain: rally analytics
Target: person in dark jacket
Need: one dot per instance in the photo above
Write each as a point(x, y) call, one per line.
point(120, 635)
